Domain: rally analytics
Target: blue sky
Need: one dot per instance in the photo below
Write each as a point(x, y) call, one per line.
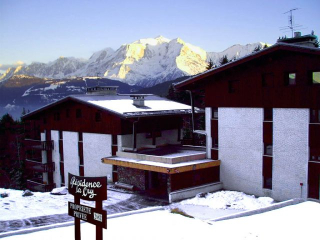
point(40, 30)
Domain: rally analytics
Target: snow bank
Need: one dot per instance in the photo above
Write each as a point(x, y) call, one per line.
point(229, 200)
point(15, 206)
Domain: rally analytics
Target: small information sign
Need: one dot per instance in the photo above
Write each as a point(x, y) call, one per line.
point(88, 214)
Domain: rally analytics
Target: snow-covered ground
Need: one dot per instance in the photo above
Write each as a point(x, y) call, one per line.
point(15, 206)
point(292, 222)
point(210, 206)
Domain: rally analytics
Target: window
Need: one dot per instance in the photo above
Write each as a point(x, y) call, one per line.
point(98, 117)
point(314, 115)
point(267, 172)
point(56, 116)
point(233, 86)
point(114, 139)
point(215, 113)
point(80, 136)
point(268, 114)
point(290, 79)
point(315, 77)
point(215, 143)
point(78, 113)
point(267, 80)
point(268, 149)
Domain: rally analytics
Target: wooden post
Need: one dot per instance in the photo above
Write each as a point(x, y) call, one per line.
point(77, 222)
point(98, 228)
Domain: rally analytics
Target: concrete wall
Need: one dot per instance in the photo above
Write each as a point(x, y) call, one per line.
point(71, 155)
point(240, 149)
point(95, 147)
point(290, 153)
point(208, 116)
point(56, 158)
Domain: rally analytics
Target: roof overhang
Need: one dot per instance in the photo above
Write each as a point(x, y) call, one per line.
point(161, 167)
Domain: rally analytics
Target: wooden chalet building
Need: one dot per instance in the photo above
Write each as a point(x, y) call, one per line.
point(263, 120)
point(134, 140)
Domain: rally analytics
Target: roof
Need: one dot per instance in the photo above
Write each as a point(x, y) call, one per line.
point(122, 105)
point(250, 57)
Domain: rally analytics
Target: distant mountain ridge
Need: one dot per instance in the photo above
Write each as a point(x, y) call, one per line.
point(145, 62)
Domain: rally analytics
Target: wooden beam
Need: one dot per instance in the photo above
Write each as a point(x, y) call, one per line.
point(159, 169)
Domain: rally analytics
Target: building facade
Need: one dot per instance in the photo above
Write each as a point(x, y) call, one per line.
point(134, 140)
point(263, 121)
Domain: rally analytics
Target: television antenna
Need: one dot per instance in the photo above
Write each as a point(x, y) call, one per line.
point(291, 24)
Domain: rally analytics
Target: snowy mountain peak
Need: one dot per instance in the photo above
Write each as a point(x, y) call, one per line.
point(145, 62)
point(152, 41)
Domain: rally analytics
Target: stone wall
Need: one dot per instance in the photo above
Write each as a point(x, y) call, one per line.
point(135, 177)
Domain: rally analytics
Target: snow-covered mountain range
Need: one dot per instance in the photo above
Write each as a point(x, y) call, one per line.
point(145, 62)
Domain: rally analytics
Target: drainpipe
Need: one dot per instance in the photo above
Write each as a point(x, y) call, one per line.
point(192, 110)
point(192, 116)
point(134, 134)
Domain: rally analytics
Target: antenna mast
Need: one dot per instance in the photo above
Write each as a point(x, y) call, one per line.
point(292, 26)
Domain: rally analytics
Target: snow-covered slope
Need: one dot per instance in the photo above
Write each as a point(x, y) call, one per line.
point(236, 51)
point(145, 62)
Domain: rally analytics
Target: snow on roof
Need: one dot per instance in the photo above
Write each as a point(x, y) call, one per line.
point(123, 104)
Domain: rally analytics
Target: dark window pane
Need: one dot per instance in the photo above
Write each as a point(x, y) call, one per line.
point(268, 114)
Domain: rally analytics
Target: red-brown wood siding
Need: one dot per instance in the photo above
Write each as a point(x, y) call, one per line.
point(109, 124)
point(313, 180)
point(267, 132)
point(195, 178)
point(250, 91)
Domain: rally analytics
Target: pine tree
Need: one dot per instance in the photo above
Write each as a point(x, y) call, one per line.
point(224, 60)
point(257, 49)
point(210, 64)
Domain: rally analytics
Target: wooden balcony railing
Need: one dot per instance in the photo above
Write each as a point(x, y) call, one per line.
point(39, 166)
point(41, 145)
point(39, 187)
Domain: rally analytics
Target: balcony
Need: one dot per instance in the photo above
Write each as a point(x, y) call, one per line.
point(38, 144)
point(39, 166)
point(36, 186)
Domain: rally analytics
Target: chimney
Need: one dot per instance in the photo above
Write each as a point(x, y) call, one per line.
point(102, 90)
point(138, 100)
point(297, 34)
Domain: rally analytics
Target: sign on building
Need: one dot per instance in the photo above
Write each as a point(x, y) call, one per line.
point(91, 189)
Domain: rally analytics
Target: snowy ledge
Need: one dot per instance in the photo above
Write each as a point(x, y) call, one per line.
point(260, 210)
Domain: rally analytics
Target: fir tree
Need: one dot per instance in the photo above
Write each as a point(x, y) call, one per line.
point(224, 60)
point(210, 64)
point(257, 49)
